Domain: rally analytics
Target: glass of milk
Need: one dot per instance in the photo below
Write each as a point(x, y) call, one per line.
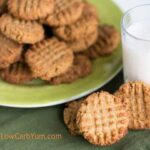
point(136, 44)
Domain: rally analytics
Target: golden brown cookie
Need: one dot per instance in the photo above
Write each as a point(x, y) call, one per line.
point(49, 58)
point(3, 6)
point(83, 44)
point(70, 113)
point(17, 73)
point(66, 12)
point(84, 26)
point(30, 9)
point(21, 31)
point(102, 119)
point(81, 68)
point(107, 42)
point(136, 98)
point(10, 51)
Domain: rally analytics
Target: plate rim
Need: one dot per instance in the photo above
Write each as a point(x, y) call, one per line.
point(63, 101)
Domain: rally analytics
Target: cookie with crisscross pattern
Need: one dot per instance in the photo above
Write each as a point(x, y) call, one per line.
point(70, 113)
point(136, 98)
point(83, 44)
point(85, 25)
point(81, 67)
point(30, 9)
point(17, 73)
point(28, 32)
point(106, 44)
point(49, 58)
point(10, 51)
point(66, 12)
point(102, 119)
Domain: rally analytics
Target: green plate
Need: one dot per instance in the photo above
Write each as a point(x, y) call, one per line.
point(38, 94)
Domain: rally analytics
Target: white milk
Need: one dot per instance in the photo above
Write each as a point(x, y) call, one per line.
point(136, 52)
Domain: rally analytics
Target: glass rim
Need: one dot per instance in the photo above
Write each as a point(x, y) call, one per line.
point(123, 23)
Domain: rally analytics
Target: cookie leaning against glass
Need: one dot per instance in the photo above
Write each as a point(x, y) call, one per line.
point(49, 58)
point(136, 99)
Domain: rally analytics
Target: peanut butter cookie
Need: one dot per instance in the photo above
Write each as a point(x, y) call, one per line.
point(70, 113)
point(102, 119)
point(66, 12)
point(49, 58)
point(106, 44)
point(21, 31)
point(10, 51)
point(17, 73)
point(84, 26)
point(80, 69)
point(30, 9)
point(83, 44)
point(136, 98)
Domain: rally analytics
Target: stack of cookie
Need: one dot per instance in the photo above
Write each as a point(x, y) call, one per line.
point(54, 40)
point(104, 119)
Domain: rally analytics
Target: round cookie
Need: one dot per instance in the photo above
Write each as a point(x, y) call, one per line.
point(66, 12)
point(83, 44)
point(30, 9)
point(21, 31)
point(106, 44)
point(81, 68)
point(84, 26)
point(3, 6)
point(136, 98)
point(17, 73)
point(69, 115)
point(49, 58)
point(102, 119)
point(10, 51)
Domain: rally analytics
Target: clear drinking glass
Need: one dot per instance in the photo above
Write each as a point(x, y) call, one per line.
point(136, 44)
